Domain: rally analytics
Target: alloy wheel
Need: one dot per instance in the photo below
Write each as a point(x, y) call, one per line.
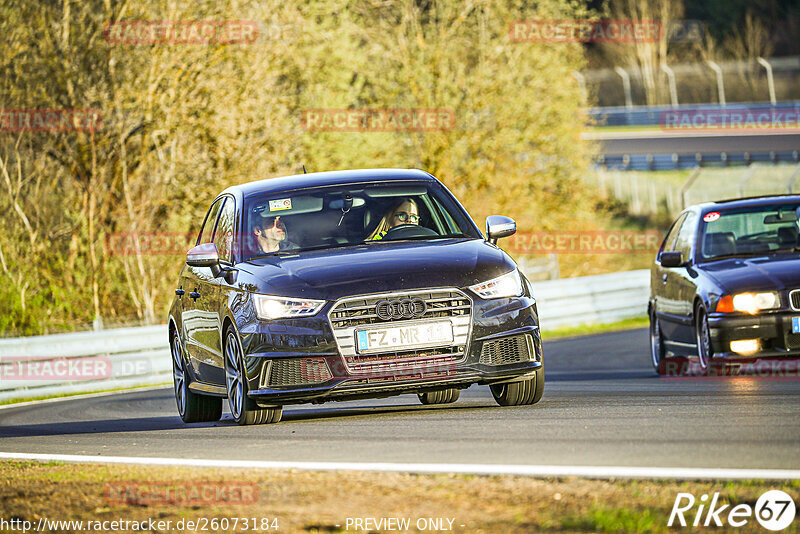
point(178, 375)
point(233, 375)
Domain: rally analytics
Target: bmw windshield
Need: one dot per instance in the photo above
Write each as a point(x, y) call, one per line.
point(339, 216)
point(749, 232)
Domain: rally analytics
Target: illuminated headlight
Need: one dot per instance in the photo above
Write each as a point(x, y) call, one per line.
point(755, 302)
point(269, 307)
point(508, 285)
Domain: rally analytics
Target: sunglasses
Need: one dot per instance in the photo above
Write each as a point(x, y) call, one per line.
point(275, 222)
point(407, 217)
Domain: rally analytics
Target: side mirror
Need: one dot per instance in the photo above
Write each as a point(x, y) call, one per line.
point(498, 226)
point(671, 259)
point(204, 255)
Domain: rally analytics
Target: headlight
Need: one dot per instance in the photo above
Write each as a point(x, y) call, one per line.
point(508, 285)
point(751, 303)
point(269, 307)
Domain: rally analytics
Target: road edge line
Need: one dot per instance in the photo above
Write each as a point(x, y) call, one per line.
point(596, 472)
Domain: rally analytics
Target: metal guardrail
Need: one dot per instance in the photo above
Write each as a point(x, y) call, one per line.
point(127, 357)
point(654, 115)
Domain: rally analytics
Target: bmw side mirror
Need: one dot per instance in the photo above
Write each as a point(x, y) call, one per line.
point(498, 226)
point(671, 259)
point(204, 255)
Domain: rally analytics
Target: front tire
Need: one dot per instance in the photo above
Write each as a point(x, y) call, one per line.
point(442, 396)
point(520, 393)
point(244, 410)
point(657, 351)
point(703, 335)
point(192, 407)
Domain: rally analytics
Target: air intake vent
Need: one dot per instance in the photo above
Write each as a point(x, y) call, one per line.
point(508, 350)
point(295, 372)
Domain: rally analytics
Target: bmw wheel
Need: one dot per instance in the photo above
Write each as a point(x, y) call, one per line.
point(520, 393)
point(657, 352)
point(192, 407)
point(244, 410)
point(703, 334)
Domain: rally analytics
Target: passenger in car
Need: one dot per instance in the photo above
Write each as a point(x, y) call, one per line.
point(270, 235)
point(404, 212)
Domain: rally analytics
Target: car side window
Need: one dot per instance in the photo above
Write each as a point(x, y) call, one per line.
point(669, 241)
point(207, 232)
point(686, 236)
point(223, 236)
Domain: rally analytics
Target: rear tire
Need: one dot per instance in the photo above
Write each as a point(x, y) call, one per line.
point(192, 407)
point(520, 393)
point(442, 396)
point(244, 410)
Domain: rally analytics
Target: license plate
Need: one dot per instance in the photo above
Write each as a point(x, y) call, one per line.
point(407, 336)
point(795, 325)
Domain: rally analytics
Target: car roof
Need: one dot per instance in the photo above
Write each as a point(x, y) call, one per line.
point(747, 202)
point(316, 179)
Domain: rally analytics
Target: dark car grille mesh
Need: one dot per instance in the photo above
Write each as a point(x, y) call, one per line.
point(295, 371)
point(508, 350)
point(440, 303)
point(352, 314)
point(794, 296)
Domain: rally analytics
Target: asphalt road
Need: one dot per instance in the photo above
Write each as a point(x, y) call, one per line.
point(620, 143)
point(602, 406)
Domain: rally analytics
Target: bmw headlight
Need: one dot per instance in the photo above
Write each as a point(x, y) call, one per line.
point(508, 285)
point(751, 303)
point(269, 307)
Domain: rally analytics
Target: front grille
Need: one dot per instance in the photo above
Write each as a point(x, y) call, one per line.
point(361, 311)
point(350, 313)
point(514, 349)
point(794, 297)
point(294, 372)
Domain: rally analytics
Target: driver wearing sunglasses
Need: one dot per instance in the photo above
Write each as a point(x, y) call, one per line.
point(270, 235)
point(405, 212)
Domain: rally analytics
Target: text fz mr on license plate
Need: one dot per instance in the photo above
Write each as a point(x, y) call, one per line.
point(408, 336)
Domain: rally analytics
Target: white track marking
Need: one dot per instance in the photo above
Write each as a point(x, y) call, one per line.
point(683, 473)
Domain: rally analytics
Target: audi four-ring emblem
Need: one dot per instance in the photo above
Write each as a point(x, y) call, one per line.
point(401, 309)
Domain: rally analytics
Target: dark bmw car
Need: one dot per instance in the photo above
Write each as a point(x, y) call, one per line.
point(346, 285)
point(725, 286)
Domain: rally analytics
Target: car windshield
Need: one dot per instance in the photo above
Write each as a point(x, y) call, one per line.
point(346, 215)
point(749, 232)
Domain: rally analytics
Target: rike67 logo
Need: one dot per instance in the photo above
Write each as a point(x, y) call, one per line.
point(774, 510)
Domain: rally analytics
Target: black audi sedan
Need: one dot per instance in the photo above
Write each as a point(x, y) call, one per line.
point(346, 285)
point(725, 286)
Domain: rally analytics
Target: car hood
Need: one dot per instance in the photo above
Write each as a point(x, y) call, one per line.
point(376, 267)
point(755, 274)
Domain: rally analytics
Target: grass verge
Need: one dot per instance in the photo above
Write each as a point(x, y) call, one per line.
point(589, 329)
point(303, 501)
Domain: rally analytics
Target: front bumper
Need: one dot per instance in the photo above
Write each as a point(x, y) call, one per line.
point(297, 361)
point(773, 330)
